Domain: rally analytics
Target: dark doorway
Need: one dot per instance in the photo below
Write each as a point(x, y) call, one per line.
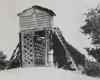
point(39, 48)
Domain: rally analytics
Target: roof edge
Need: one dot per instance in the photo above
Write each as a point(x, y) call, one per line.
point(40, 8)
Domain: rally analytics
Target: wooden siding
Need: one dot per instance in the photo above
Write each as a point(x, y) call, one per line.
point(35, 21)
point(34, 18)
point(27, 12)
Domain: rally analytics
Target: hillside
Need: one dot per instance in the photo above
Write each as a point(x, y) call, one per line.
point(42, 74)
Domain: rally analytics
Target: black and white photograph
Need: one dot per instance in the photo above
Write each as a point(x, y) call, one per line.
point(49, 39)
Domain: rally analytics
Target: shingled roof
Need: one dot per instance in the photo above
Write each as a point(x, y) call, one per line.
point(78, 57)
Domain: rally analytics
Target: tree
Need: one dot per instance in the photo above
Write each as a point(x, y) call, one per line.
point(3, 61)
point(92, 28)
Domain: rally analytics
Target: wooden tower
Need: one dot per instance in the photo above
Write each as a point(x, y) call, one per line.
point(35, 26)
point(41, 44)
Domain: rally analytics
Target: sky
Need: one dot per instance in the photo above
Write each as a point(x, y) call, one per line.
point(69, 17)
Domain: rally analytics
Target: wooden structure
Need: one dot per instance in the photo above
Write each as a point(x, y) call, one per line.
point(37, 38)
point(35, 28)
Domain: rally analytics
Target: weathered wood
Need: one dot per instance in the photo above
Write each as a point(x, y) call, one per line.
point(34, 18)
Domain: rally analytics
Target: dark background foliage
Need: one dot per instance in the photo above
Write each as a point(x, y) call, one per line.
point(92, 28)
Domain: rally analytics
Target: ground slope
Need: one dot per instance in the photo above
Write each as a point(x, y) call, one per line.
point(42, 74)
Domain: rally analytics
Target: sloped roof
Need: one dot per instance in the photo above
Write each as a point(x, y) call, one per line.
point(78, 57)
point(42, 9)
